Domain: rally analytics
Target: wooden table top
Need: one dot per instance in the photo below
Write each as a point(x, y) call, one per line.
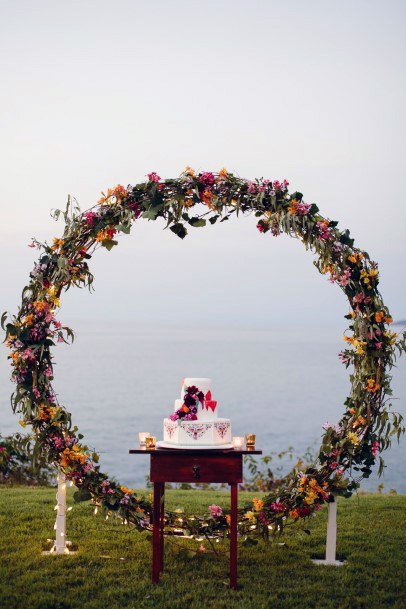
point(142, 450)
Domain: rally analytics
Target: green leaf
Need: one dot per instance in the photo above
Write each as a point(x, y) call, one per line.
point(197, 222)
point(109, 244)
point(313, 209)
point(214, 219)
point(179, 230)
point(82, 495)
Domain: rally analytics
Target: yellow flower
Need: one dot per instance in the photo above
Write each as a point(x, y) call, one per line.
point(223, 172)
point(353, 438)
point(392, 336)
point(190, 172)
point(249, 515)
point(258, 504)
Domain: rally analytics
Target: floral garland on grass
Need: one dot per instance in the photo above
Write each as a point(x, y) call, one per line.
point(349, 447)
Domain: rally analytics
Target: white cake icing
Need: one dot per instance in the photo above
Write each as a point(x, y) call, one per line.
point(208, 429)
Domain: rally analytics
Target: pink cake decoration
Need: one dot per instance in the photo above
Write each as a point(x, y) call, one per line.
point(197, 430)
point(222, 428)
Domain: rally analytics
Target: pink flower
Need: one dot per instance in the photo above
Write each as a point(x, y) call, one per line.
point(153, 177)
point(345, 277)
point(174, 416)
point(252, 187)
point(48, 372)
point(89, 217)
point(215, 510)
point(374, 448)
point(378, 345)
point(333, 465)
point(276, 185)
point(28, 354)
point(261, 227)
point(302, 209)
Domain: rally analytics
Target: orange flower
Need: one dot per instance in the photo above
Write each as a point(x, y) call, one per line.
point(372, 386)
point(104, 198)
point(126, 490)
point(388, 319)
point(294, 513)
point(258, 504)
point(29, 319)
point(206, 197)
point(379, 316)
point(228, 519)
point(293, 207)
point(119, 191)
point(190, 172)
point(46, 413)
point(57, 244)
point(41, 306)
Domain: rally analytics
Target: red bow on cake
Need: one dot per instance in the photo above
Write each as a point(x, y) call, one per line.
point(209, 403)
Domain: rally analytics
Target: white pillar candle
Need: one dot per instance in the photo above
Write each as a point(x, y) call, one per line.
point(238, 442)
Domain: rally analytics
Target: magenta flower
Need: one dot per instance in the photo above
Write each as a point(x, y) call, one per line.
point(207, 178)
point(374, 448)
point(252, 187)
point(153, 177)
point(89, 217)
point(277, 507)
point(215, 510)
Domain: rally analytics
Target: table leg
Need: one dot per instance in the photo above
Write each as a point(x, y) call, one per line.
point(233, 536)
point(156, 544)
point(162, 526)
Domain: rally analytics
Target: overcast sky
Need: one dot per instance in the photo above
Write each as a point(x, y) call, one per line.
point(100, 93)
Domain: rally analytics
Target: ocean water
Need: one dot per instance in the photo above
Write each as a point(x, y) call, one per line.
point(281, 383)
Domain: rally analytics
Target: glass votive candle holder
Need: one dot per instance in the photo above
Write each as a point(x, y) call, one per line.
point(250, 439)
point(238, 442)
point(150, 442)
point(141, 436)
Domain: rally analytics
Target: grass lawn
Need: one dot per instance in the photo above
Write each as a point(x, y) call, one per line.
point(112, 567)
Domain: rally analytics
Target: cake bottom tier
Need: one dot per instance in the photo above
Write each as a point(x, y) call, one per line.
point(195, 433)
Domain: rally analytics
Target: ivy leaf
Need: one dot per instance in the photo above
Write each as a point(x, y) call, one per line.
point(151, 213)
point(197, 222)
point(82, 495)
point(214, 219)
point(109, 244)
point(313, 209)
point(179, 230)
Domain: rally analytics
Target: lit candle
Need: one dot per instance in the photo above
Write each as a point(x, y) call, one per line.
point(141, 436)
point(150, 441)
point(238, 442)
point(250, 439)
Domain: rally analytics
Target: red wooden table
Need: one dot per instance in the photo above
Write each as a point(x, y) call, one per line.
point(193, 465)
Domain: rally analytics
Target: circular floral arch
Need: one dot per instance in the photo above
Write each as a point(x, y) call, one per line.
point(349, 449)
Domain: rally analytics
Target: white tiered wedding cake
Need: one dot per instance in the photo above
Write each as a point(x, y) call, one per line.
point(195, 420)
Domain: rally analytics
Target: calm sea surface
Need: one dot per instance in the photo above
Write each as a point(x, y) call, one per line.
point(281, 384)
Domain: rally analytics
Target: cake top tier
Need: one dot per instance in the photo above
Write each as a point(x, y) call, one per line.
point(204, 384)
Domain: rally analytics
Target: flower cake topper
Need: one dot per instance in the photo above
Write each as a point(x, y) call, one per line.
point(189, 409)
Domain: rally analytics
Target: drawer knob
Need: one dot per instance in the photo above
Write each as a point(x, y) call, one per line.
point(196, 472)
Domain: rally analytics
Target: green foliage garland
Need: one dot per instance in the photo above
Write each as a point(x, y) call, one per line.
point(348, 450)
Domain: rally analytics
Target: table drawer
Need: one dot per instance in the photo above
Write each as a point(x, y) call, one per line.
point(207, 468)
